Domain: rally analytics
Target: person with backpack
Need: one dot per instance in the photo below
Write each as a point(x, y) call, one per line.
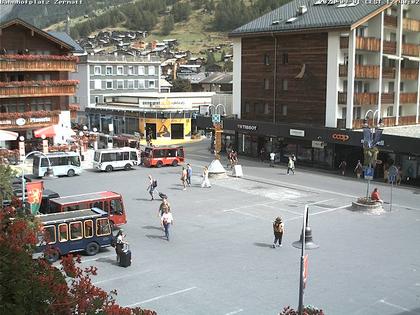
point(152, 186)
point(166, 221)
point(278, 228)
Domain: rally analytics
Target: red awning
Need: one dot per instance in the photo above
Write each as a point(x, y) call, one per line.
point(48, 132)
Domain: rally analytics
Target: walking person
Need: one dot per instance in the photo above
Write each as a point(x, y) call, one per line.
point(278, 229)
point(119, 246)
point(189, 174)
point(342, 167)
point(272, 158)
point(184, 176)
point(164, 206)
point(358, 169)
point(262, 154)
point(166, 220)
point(205, 182)
point(152, 186)
point(291, 166)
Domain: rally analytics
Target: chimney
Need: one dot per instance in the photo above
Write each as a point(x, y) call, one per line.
point(302, 9)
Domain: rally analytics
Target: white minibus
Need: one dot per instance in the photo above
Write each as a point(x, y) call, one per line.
point(62, 163)
point(118, 158)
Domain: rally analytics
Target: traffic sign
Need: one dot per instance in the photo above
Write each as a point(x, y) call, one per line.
point(369, 173)
point(215, 118)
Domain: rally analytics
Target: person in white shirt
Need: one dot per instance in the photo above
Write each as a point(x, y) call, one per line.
point(272, 157)
point(205, 182)
point(166, 221)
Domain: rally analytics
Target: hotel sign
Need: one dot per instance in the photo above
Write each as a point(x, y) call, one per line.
point(40, 120)
point(297, 132)
point(247, 127)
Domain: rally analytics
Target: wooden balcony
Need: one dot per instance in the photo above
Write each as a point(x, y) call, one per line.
point(29, 119)
point(37, 88)
point(390, 47)
point(411, 25)
point(411, 50)
point(388, 73)
point(359, 98)
point(361, 71)
point(342, 97)
point(362, 43)
point(344, 42)
point(409, 74)
point(406, 98)
point(387, 98)
point(390, 21)
point(386, 122)
point(12, 63)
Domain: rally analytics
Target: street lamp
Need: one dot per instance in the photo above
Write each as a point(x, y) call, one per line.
point(50, 173)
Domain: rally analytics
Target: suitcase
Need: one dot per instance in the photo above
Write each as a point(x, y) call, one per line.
point(163, 196)
point(125, 258)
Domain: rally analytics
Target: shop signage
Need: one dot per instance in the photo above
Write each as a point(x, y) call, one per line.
point(247, 127)
point(5, 122)
point(340, 137)
point(318, 144)
point(20, 121)
point(297, 132)
point(39, 120)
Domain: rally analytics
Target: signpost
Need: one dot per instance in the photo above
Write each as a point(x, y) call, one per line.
point(392, 177)
point(368, 177)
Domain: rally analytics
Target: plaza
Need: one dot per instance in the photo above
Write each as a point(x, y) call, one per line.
point(220, 260)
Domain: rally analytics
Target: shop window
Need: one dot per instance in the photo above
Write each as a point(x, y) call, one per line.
point(285, 85)
point(88, 228)
point(285, 58)
point(390, 111)
point(76, 231)
point(284, 110)
point(357, 112)
point(267, 59)
point(266, 84)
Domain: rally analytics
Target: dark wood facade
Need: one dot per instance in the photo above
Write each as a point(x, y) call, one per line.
point(284, 78)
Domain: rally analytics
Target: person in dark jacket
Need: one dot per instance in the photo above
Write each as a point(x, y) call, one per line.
point(278, 229)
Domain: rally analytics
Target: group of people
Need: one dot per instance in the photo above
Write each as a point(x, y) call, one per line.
point(186, 176)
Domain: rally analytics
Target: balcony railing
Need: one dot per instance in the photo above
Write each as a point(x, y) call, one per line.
point(409, 74)
point(388, 73)
point(37, 63)
point(342, 97)
point(411, 50)
point(29, 119)
point(387, 98)
point(390, 47)
point(408, 98)
point(390, 20)
point(359, 98)
point(411, 25)
point(37, 88)
point(362, 43)
point(361, 72)
point(386, 122)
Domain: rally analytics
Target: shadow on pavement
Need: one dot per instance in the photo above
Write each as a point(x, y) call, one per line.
point(263, 245)
point(151, 227)
point(108, 260)
point(144, 199)
point(156, 236)
point(411, 312)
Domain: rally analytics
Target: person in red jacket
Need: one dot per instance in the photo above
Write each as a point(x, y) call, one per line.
point(375, 196)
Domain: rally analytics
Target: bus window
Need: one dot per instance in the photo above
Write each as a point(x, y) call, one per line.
point(75, 161)
point(49, 234)
point(44, 162)
point(102, 227)
point(125, 156)
point(180, 152)
point(36, 161)
point(62, 233)
point(158, 153)
point(133, 155)
point(116, 207)
point(98, 204)
point(88, 228)
point(171, 152)
point(119, 156)
point(97, 156)
point(76, 231)
point(71, 208)
point(106, 207)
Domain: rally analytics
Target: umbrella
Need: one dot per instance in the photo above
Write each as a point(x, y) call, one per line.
point(8, 135)
point(52, 131)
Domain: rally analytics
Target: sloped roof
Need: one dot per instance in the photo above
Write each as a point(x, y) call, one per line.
point(64, 37)
point(218, 78)
point(320, 15)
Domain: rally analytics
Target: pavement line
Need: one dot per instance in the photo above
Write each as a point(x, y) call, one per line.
point(330, 210)
point(249, 215)
point(289, 211)
point(162, 296)
point(252, 205)
point(235, 312)
point(396, 306)
point(93, 259)
point(122, 277)
point(321, 201)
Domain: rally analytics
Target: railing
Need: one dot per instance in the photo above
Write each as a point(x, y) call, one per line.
point(408, 98)
point(409, 74)
point(390, 20)
point(410, 50)
point(342, 97)
point(386, 122)
point(32, 63)
point(387, 98)
point(388, 73)
point(361, 71)
point(390, 47)
point(411, 25)
point(37, 88)
point(362, 43)
point(31, 119)
point(359, 98)
point(407, 120)
point(341, 123)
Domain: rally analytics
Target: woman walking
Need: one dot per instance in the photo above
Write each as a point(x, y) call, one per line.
point(205, 182)
point(184, 176)
point(166, 221)
point(278, 228)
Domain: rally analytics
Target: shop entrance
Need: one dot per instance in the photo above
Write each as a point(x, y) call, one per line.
point(177, 131)
point(151, 130)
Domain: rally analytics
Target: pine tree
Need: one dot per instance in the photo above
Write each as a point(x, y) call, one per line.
point(168, 25)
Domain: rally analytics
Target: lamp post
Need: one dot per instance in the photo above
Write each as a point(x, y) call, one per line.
point(21, 148)
point(49, 172)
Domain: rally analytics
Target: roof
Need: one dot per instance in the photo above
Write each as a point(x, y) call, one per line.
point(218, 78)
point(71, 215)
point(64, 37)
point(320, 15)
point(164, 83)
point(83, 197)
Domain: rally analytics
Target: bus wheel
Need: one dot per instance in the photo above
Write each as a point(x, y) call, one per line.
point(108, 168)
point(127, 167)
point(175, 163)
point(159, 164)
point(92, 249)
point(52, 256)
point(70, 173)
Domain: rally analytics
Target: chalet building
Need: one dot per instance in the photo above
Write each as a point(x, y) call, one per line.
point(34, 79)
point(306, 74)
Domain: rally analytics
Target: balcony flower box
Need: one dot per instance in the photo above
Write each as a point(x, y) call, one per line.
point(40, 57)
point(14, 84)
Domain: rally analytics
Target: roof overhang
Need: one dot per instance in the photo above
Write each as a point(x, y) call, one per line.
point(337, 28)
point(371, 15)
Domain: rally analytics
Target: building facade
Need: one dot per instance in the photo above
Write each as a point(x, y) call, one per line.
point(101, 76)
point(304, 67)
point(34, 80)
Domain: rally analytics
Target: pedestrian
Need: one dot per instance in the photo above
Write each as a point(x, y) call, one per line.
point(205, 182)
point(342, 167)
point(119, 246)
point(272, 158)
point(184, 178)
point(358, 169)
point(262, 154)
point(375, 196)
point(164, 206)
point(278, 228)
point(399, 175)
point(189, 174)
point(166, 220)
point(152, 186)
point(291, 165)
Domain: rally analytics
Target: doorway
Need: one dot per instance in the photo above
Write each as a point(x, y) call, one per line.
point(177, 131)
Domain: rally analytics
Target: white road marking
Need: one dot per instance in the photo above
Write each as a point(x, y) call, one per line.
point(330, 210)
point(249, 215)
point(235, 312)
point(162, 296)
point(122, 277)
point(395, 306)
point(285, 210)
point(321, 201)
point(251, 205)
point(93, 259)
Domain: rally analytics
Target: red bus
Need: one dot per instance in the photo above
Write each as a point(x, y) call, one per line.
point(160, 156)
point(109, 201)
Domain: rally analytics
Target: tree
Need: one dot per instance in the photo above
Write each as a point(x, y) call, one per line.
point(181, 11)
point(210, 59)
point(222, 56)
point(181, 85)
point(168, 25)
point(6, 176)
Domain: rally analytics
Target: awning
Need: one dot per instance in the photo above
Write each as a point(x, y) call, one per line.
point(52, 131)
point(8, 135)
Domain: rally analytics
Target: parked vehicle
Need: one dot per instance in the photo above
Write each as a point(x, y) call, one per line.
point(62, 163)
point(108, 201)
point(118, 158)
point(84, 230)
point(160, 156)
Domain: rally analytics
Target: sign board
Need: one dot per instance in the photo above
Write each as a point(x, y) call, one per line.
point(215, 118)
point(297, 132)
point(369, 173)
point(237, 171)
point(318, 144)
point(247, 127)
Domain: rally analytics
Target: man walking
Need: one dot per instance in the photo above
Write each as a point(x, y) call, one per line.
point(272, 158)
point(291, 166)
point(166, 221)
point(278, 228)
point(189, 174)
point(358, 169)
point(152, 186)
